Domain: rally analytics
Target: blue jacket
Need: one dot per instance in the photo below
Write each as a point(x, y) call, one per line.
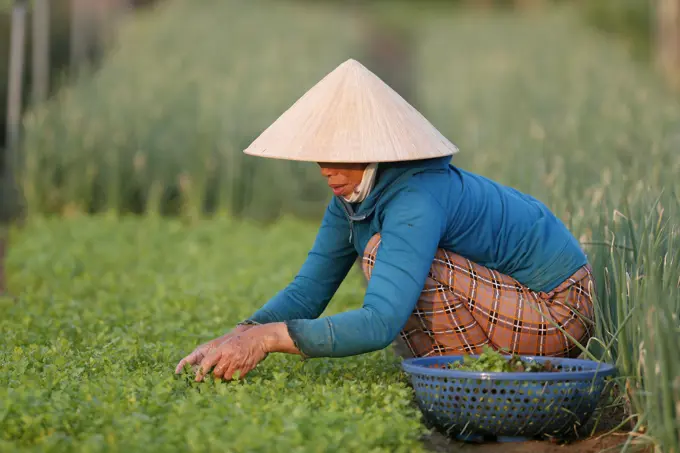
point(417, 207)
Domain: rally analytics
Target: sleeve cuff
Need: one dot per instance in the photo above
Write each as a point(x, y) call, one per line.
point(261, 317)
point(313, 338)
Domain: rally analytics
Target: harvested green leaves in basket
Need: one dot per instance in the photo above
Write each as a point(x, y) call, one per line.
point(492, 361)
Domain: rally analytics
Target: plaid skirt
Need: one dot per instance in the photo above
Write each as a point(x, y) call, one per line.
point(465, 306)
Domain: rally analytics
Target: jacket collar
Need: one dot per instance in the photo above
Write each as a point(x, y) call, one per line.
point(390, 174)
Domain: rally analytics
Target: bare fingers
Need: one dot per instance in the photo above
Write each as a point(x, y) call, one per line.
point(232, 362)
point(209, 361)
point(221, 367)
point(191, 359)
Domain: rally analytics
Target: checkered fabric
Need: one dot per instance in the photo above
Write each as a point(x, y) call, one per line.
point(465, 306)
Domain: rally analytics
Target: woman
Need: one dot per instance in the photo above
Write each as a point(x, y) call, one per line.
point(454, 260)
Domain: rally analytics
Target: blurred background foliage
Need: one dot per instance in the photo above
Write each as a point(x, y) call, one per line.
point(385, 37)
point(629, 20)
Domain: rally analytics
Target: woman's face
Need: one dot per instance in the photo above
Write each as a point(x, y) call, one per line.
point(342, 178)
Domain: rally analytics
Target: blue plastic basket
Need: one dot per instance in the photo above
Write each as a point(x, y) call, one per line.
point(507, 406)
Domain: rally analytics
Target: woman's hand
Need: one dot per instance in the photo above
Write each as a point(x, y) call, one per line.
point(203, 350)
point(244, 351)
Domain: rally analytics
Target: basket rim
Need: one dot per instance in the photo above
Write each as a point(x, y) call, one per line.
point(418, 365)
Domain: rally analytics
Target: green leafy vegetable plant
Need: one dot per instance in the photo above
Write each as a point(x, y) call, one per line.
point(492, 361)
point(105, 309)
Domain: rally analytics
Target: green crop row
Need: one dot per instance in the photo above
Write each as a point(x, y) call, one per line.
point(106, 309)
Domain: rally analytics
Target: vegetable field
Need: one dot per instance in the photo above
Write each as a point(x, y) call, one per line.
point(109, 307)
point(106, 304)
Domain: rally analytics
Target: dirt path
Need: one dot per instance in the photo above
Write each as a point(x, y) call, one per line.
point(613, 443)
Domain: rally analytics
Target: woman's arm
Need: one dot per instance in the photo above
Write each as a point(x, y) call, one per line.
point(306, 297)
point(326, 266)
point(409, 239)
point(410, 236)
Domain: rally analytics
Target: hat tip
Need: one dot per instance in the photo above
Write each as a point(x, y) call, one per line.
point(351, 62)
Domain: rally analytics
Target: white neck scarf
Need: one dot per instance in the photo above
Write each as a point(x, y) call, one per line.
point(364, 188)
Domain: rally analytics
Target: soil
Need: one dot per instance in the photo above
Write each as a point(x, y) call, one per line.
point(612, 443)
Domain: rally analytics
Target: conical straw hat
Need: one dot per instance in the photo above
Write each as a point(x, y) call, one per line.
point(350, 116)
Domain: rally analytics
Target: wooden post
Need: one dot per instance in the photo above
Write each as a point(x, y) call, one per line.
point(121, 9)
point(3, 248)
point(668, 39)
point(16, 72)
point(41, 50)
point(126, 6)
point(81, 32)
point(529, 4)
point(110, 14)
point(14, 105)
point(77, 45)
point(102, 17)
